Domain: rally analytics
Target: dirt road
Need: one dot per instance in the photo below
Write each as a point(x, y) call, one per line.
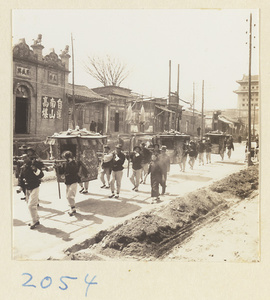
point(232, 236)
point(95, 211)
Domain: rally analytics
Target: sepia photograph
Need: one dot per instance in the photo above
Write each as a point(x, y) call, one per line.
point(136, 135)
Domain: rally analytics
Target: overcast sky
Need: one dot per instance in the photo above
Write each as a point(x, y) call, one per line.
point(209, 45)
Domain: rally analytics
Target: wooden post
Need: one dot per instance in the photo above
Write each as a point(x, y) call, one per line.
point(249, 94)
point(202, 131)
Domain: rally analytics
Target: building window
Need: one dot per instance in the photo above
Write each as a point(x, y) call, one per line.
point(22, 71)
point(243, 104)
point(53, 77)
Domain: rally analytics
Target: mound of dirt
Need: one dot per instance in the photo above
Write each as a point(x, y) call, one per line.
point(151, 234)
point(240, 184)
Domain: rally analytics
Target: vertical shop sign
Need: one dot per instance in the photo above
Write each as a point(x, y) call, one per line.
point(51, 108)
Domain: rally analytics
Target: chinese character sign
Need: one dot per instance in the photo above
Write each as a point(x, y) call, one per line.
point(51, 108)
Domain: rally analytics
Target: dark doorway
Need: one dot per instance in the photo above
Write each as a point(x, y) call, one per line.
point(21, 115)
point(116, 122)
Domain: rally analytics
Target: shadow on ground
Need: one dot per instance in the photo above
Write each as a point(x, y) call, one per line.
point(54, 231)
point(81, 217)
point(231, 163)
point(108, 208)
point(190, 177)
point(17, 222)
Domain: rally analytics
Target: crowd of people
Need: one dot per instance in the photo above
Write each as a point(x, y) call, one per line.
point(143, 161)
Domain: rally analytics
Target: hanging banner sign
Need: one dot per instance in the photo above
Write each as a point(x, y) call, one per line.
point(51, 108)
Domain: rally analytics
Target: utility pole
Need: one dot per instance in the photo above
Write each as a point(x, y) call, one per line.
point(73, 95)
point(202, 108)
point(249, 94)
point(193, 108)
point(177, 119)
point(254, 121)
point(170, 68)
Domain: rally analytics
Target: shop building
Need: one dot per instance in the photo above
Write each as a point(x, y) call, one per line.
point(40, 105)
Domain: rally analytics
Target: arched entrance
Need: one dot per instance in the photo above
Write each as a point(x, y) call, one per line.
point(22, 110)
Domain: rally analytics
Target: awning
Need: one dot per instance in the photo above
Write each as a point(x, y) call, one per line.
point(165, 109)
point(224, 120)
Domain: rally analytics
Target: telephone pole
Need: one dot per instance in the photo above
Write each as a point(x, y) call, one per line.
point(177, 117)
point(249, 93)
point(170, 72)
point(193, 108)
point(202, 108)
point(73, 94)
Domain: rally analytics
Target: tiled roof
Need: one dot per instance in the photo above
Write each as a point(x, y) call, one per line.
point(84, 92)
point(113, 90)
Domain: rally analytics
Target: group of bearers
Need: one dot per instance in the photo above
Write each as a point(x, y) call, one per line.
point(155, 163)
point(193, 150)
point(144, 162)
point(201, 149)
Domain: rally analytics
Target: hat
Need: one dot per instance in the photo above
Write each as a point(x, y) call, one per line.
point(106, 146)
point(163, 148)
point(67, 154)
point(137, 147)
point(23, 147)
point(31, 149)
point(119, 146)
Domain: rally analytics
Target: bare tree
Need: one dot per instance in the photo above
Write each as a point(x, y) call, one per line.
point(107, 70)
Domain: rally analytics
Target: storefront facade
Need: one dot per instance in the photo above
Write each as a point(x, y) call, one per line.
point(40, 105)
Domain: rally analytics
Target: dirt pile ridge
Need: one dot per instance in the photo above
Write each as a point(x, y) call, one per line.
point(151, 234)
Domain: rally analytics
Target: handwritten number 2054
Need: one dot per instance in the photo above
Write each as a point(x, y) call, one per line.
point(47, 281)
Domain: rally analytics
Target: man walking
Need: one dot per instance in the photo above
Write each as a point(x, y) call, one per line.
point(230, 146)
point(208, 149)
point(117, 170)
point(30, 179)
point(106, 166)
point(136, 159)
point(192, 152)
point(164, 162)
point(146, 158)
point(70, 169)
point(201, 149)
point(183, 156)
point(155, 178)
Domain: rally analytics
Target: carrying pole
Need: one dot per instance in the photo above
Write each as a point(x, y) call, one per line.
point(73, 94)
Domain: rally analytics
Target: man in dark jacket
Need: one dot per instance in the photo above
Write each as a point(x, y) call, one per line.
point(136, 159)
point(201, 149)
point(117, 170)
point(106, 166)
point(93, 126)
point(30, 179)
point(208, 149)
point(70, 169)
point(229, 145)
point(164, 162)
point(146, 158)
point(155, 172)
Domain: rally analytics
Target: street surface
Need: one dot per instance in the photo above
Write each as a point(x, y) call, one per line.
point(95, 211)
